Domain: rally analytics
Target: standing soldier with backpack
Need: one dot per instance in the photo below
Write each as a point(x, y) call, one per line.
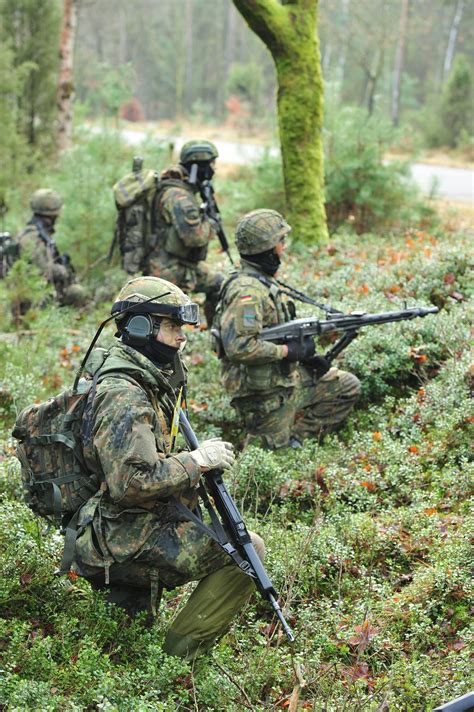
point(164, 226)
point(36, 243)
point(107, 450)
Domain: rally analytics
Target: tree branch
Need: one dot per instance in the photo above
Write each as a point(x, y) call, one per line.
point(265, 17)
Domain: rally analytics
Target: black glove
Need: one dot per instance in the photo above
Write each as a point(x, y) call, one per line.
point(318, 364)
point(298, 351)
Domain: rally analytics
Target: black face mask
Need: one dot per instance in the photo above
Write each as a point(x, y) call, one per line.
point(268, 261)
point(204, 170)
point(158, 353)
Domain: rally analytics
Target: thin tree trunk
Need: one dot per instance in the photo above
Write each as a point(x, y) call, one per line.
point(289, 32)
point(65, 94)
point(180, 61)
point(453, 35)
point(399, 59)
point(231, 39)
point(188, 72)
point(343, 49)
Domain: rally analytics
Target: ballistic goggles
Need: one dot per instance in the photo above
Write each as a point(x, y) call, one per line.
point(183, 313)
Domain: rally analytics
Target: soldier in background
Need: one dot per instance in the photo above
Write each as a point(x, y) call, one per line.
point(36, 243)
point(282, 392)
point(185, 230)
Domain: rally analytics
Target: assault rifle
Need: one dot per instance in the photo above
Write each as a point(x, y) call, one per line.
point(231, 533)
point(211, 209)
point(346, 324)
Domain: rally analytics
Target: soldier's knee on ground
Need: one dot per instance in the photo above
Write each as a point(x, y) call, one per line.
point(350, 385)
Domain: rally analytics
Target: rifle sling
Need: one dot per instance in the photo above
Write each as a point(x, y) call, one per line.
point(216, 533)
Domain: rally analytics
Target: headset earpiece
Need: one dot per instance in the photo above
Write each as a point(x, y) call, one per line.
point(138, 330)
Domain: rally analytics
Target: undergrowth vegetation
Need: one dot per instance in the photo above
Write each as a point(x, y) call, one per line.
point(367, 532)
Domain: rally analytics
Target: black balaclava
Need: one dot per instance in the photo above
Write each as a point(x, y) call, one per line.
point(161, 355)
point(268, 261)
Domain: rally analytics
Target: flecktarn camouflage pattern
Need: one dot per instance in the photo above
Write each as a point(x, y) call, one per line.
point(259, 231)
point(36, 243)
point(187, 234)
point(130, 532)
point(195, 150)
point(276, 400)
point(46, 202)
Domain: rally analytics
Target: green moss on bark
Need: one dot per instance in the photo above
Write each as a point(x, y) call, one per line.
point(289, 31)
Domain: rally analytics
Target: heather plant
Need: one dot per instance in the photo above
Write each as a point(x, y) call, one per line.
point(367, 532)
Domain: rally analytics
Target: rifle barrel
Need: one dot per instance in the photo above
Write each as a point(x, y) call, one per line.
point(312, 326)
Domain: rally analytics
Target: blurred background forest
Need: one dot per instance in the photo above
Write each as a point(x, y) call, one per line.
point(409, 61)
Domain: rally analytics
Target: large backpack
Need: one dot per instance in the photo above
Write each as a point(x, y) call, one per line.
point(51, 436)
point(135, 198)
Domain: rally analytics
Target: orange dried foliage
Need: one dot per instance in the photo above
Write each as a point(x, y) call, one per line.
point(377, 436)
point(370, 486)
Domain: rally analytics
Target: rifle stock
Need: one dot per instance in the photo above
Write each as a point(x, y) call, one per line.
point(235, 528)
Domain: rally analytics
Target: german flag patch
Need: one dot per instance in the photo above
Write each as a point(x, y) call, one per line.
point(247, 298)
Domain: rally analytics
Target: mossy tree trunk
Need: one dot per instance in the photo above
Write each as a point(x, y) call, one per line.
point(289, 30)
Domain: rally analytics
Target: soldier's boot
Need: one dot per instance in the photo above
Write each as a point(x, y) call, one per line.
point(210, 609)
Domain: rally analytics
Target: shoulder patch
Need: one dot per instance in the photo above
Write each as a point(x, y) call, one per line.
point(246, 298)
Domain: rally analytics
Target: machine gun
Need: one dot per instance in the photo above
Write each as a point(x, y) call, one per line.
point(230, 531)
point(336, 323)
point(211, 209)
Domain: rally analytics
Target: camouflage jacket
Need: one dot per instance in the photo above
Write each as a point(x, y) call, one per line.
point(39, 248)
point(129, 447)
point(250, 302)
point(187, 232)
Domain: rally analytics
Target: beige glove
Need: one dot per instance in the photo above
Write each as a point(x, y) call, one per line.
point(214, 454)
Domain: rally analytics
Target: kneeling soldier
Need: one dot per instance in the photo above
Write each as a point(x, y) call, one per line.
point(282, 392)
point(132, 535)
point(37, 244)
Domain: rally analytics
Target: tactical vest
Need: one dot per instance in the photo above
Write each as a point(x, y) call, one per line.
point(243, 379)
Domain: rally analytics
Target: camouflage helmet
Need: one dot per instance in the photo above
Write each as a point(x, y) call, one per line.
point(259, 231)
point(163, 299)
point(46, 202)
point(194, 151)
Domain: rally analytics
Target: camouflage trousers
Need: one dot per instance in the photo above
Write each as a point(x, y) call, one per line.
point(310, 409)
point(174, 554)
point(190, 278)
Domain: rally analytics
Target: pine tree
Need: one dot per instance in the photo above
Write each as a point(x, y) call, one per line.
point(32, 28)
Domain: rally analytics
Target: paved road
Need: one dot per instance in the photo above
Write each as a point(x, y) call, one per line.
point(451, 183)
